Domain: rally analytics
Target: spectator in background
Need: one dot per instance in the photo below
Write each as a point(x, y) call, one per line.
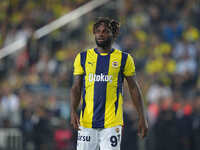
point(196, 124)
point(184, 126)
point(165, 128)
point(129, 140)
point(172, 30)
point(63, 137)
point(27, 128)
point(42, 129)
point(158, 91)
point(10, 106)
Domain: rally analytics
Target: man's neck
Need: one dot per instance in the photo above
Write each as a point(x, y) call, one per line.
point(104, 49)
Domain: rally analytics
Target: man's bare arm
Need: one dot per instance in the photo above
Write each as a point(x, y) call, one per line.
point(75, 100)
point(138, 102)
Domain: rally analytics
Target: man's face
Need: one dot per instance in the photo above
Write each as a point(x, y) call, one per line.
point(103, 36)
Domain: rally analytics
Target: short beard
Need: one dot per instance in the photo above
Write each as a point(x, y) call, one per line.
point(104, 44)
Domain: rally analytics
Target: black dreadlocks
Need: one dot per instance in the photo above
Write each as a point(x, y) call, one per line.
point(111, 24)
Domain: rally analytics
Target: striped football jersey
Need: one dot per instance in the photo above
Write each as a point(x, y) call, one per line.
point(103, 76)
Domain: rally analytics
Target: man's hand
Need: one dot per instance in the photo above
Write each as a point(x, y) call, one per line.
point(75, 120)
point(142, 128)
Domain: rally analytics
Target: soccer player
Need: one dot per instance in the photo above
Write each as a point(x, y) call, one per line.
point(98, 78)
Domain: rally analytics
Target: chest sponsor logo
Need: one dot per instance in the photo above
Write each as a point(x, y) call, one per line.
point(100, 78)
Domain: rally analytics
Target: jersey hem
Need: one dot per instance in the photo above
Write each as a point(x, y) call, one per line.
point(87, 125)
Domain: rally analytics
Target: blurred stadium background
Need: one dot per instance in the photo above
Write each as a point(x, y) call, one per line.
point(162, 35)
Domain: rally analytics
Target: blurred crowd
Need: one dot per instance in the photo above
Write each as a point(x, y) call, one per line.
point(162, 36)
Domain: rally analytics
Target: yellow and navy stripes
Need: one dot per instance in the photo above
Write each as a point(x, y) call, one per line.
point(102, 86)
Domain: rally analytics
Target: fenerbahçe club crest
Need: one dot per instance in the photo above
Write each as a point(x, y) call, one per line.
point(115, 64)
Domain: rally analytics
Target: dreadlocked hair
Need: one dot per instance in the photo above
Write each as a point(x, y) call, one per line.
point(111, 24)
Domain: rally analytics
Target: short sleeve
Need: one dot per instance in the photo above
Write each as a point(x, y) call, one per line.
point(129, 68)
point(78, 69)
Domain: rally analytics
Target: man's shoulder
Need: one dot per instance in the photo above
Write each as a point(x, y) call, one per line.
point(86, 50)
point(120, 52)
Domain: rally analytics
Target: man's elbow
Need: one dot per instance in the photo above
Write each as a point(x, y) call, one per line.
point(75, 89)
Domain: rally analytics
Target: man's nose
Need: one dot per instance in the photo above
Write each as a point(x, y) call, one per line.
point(101, 34)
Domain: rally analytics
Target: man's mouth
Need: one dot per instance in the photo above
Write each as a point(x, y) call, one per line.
point(100, 40)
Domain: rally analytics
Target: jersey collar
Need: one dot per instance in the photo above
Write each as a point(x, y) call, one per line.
point(96, 51)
